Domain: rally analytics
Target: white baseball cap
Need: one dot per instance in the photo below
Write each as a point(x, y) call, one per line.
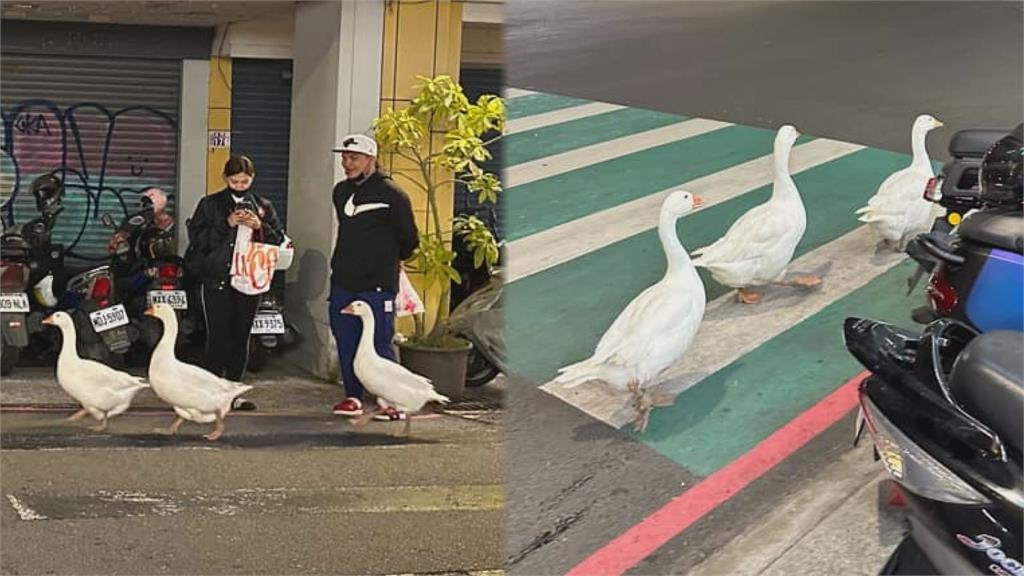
point(358, 143)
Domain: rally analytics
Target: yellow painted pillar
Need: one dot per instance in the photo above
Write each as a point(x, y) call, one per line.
point(425, 39)
point(219, 118)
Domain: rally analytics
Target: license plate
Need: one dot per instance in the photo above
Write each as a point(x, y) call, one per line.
point(174, 298)
point(108, 318)
point(14, 302)
point(268, 324)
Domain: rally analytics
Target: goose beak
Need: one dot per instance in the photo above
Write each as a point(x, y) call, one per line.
point(48, 320)
point(938, 123)
point(348, 310)
point(697, 201)
point(150, 311)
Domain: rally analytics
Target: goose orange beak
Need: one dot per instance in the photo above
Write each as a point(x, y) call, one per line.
point(150, 311)
point(48, 320)
point(348, 310)
point(697, 201)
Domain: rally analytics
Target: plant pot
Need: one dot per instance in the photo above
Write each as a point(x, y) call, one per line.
point(446, 367)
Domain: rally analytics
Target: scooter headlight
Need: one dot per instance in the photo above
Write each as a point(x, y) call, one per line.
point(912, 466)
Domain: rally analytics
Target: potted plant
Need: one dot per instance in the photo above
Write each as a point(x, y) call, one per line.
point(445, 137)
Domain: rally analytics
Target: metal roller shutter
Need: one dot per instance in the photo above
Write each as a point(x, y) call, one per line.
point(261, 108)
point(477, 81)
point(107, 125)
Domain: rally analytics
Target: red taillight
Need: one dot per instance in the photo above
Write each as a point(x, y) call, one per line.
point(941, 294)
point(12, 277)
point(101, 291)
point(168, 271)
point(933, 190)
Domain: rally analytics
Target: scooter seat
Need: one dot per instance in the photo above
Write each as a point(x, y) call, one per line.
point(1002, 229)
point(974, 142)
point(988, 382)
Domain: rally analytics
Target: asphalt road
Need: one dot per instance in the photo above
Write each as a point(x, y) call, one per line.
point(278, 495)
point(856, 71)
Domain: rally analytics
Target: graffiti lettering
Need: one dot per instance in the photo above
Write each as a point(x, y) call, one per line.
point(106, 158)
point(27, 124)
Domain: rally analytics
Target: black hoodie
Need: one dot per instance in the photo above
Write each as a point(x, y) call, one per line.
point(212, 240)
point(376, 231)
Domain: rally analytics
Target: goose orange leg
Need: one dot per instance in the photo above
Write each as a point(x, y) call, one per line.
point(172, 429)
point(77, 416)
point(101, 426)
point(748, 296)
point(218, 429)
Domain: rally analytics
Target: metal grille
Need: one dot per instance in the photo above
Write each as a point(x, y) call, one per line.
point(108, 126)
point(261, 108)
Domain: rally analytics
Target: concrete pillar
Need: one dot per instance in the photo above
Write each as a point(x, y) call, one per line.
point(193, 122)
point(219, 121)
point(335, 90)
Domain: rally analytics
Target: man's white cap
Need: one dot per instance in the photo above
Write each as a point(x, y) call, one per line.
point(358, 143)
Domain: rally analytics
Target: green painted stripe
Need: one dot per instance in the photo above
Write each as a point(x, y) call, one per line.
point(549, 202)
point(558, 138)
point(539, 103)
point(556, 316)
point(731, 411)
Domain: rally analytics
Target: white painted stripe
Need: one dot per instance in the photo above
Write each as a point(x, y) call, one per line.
point(565, 242)
point(24, 512)
point(604, 151)
point(534, 122)
point(845, 264)
point(517, 92)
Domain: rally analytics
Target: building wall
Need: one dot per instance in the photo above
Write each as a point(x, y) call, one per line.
point(420, 38)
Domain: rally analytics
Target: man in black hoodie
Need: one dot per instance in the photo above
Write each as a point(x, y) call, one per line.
point(376, 232)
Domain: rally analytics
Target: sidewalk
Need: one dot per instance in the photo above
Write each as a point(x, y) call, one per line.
point(278, 391)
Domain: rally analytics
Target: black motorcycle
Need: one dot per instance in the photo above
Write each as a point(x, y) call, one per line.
point(945, 411)
point(86, 294)
point(975, 255)
point(147, 270)
point(15, 257)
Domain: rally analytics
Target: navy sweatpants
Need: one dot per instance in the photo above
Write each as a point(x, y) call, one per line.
point(347, 330)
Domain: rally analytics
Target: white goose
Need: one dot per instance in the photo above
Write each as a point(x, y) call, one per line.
point(194, 393)
point(102, 391)
point(654, 330)
point(393, 384)
point(758, 247)
point(898, 211)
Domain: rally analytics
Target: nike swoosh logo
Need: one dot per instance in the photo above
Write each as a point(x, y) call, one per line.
point(352, 210)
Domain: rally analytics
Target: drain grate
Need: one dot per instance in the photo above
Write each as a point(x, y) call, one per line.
point(473, 406)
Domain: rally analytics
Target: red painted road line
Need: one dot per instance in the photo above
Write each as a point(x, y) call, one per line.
point(632, 546)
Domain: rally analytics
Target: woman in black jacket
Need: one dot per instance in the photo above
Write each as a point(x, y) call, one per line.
point(211, 231)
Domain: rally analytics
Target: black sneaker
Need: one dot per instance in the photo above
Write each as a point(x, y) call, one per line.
point(243, 404)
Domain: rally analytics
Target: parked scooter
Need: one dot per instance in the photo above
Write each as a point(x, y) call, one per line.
point(148, 270)
point(86, 294)
point(977, 266)
point(14, 305)
point(945, 410)
point(479, 318)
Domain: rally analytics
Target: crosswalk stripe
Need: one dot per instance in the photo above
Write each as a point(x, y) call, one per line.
point(557, 245)
point(517, 92)
point(536, 121)
point(605, 151)
point(730, 329)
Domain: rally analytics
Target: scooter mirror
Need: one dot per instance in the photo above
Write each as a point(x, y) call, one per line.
point(107, 220)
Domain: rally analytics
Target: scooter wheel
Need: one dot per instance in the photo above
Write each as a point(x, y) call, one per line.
point(8, 358)
point(478, 370)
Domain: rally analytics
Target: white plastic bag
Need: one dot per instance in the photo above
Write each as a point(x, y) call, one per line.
point(407, 301)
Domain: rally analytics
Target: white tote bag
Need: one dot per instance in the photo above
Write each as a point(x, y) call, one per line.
point(252, 263)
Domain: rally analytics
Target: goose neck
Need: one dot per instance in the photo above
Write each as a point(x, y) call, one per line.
point(675, 254)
